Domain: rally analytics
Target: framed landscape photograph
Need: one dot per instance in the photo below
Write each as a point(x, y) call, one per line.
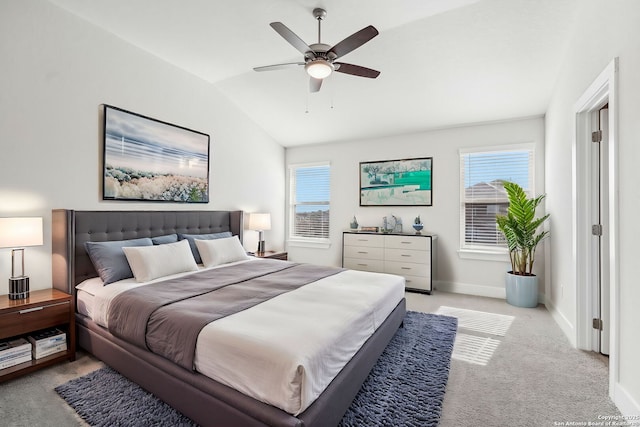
point(406, 182)
point(148, 159)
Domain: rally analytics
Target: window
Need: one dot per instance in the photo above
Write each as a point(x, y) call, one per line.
point(309, 202)
point(482, 195)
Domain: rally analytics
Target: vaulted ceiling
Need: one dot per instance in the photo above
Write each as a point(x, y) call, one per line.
point(443, 62)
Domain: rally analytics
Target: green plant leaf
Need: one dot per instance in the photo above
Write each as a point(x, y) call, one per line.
point(520, 227)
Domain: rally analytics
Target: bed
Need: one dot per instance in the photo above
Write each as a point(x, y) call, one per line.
point(206, 401)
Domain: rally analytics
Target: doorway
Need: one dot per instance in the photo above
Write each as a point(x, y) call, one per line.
point(595, 226)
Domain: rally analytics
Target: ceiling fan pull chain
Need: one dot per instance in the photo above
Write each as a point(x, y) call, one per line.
point(306, 109)
point(331, 91)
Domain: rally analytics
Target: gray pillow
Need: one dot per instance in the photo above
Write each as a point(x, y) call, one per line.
point(192, 241)
point(109, 259)
point(162, 240)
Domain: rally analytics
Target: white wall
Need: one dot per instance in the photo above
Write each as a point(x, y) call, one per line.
point(605, 30)
point(56, 70)
point(478, 277)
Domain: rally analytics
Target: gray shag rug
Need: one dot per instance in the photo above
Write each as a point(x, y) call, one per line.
point(405, 388)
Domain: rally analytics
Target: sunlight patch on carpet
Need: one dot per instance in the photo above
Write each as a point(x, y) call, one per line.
point(478, 321)
point(473, 349)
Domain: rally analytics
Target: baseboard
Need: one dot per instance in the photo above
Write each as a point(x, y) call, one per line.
point(565, 325)
point(470, 289)
point(625, 403)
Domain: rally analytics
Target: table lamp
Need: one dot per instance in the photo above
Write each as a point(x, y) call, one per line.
point(17, 233)
point(260, 222)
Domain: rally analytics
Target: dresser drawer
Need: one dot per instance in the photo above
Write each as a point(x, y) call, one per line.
point(23, 321)
point(375, 266)
point(407, 255)
point(408, 242)
point(368, 240)
point(406, 268)
point(363, 252)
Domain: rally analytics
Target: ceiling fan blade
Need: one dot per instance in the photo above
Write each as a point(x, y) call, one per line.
point(314, 85)
point(352, 42)
point(356, 70)
point(291, 37)
point(278, 66)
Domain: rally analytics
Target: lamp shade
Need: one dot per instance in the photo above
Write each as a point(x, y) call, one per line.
point(20, 232)
point(260, 221)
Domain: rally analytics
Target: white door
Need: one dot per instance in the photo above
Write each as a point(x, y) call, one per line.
point(604, 240)
point(600, 233)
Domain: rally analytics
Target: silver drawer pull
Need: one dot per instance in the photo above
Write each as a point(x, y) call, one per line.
point(363, 265)
point(363, 240)
point(363, 252)
point(406, 243)
point(405, 255)
point(29, 310)
point(406, 268)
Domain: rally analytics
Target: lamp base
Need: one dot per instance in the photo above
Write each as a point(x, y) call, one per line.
point(261, 247)
point(19, 287)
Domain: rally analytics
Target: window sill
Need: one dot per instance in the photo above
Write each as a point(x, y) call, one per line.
point(484, 254)
point(310, 243)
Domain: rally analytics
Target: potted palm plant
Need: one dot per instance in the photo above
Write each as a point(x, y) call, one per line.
point(520, 229)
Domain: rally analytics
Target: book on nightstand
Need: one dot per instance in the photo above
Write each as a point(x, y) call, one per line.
point(14, 352)
point(46, 343)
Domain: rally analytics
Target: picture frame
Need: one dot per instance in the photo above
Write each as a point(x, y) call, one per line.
point(404, 182)
point(146, 159)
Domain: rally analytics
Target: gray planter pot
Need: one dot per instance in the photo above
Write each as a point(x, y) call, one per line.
point(522, 291)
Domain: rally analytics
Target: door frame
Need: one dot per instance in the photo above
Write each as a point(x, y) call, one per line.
point(603, 90)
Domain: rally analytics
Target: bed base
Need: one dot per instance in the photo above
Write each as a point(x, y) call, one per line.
point(202, 399)
point(210, 403)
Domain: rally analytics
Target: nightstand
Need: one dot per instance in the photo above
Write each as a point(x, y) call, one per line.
point(43, 309)
point(272, 254)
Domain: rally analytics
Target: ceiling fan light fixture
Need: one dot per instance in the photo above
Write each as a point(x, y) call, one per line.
point(319, 68)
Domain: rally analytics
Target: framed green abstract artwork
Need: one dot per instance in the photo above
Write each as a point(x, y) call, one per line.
point(406, 182)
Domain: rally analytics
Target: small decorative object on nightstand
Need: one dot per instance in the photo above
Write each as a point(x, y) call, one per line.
point(16, 233)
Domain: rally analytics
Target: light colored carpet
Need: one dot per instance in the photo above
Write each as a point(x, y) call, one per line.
point(534, 377)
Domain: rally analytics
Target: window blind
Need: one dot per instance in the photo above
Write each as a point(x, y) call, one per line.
point(310, 201)
point(482, 192)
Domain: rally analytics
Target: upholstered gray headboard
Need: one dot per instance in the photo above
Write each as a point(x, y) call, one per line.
point(71, 229)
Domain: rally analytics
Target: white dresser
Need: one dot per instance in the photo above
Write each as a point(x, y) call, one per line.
point(408, 255)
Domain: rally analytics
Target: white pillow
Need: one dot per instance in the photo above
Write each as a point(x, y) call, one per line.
point(159, 261)
point(221, 251)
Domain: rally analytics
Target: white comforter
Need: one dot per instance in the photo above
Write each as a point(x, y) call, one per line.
point(284, 351)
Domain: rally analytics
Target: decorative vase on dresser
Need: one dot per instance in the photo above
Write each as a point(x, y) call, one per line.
point(412, 256)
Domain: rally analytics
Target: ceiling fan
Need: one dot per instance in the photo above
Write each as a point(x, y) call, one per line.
point(319, 58)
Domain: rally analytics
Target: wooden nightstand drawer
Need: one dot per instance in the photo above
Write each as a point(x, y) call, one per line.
point(25, 320)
